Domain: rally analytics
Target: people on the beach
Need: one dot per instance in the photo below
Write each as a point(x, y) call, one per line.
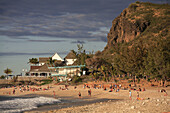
point(137, 96)
point(79, 95)
point(140, 89)
point(130, 94)
point(111, 86)
point(117, 90)
point(115, 86)
point(163, 90)
point(111, 90)
point(14, 91)
point(120, 86)
point(89, 92)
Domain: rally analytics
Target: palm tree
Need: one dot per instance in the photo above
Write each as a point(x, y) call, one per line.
point(7, 71)
point(51, 61)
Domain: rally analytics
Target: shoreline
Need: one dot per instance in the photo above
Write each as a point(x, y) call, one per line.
point(101, 100)
point(68, 104)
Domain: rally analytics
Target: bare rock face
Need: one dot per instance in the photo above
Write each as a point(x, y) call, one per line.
point(126, 28)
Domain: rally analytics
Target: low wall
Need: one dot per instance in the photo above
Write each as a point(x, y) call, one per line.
point(5, 81)
point(22, 78)
point(30, 78)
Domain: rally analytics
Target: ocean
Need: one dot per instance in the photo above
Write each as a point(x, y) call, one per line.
point(20, 104)
point(35, 103)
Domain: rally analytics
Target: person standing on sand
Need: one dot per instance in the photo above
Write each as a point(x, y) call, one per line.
point(137, 96)
point(130, 95)
point(89, 92)
point(79, 95)
point(14, 91)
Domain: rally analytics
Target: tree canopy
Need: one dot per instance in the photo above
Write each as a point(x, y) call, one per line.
point(7, 71)
point(33, 60)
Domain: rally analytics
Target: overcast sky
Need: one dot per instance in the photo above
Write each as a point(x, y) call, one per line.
point(60, 18)
point(38, 28)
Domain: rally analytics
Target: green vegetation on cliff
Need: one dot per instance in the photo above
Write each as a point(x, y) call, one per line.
point(138, 43)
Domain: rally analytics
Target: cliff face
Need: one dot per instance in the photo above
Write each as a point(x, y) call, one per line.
point(141, 22)
point(135, 20)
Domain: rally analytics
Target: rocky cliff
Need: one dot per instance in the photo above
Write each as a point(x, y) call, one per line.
point(139, 20)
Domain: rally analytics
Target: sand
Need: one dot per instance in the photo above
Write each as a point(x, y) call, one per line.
point(151, 101)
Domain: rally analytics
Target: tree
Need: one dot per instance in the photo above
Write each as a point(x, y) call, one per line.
point(33, 61)
point(112, 71)
point(80, 55)
point(96, 75)
point(51, 61)
point(158, 60)
point(2, 77)
point(106, 71)
point(131, 59)
point(7, 71)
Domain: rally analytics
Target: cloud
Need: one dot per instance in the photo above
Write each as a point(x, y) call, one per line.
point(80, 19)
point(29, 54)
point(78, 42)
point(47, 40)
point(19, 38)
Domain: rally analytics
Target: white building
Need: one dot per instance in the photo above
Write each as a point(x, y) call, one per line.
point(61, 69)
point(70, 58)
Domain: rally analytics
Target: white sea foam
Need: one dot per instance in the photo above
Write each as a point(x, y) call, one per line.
point(23, 104)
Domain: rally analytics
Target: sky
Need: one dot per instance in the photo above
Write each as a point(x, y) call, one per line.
point(40, 28)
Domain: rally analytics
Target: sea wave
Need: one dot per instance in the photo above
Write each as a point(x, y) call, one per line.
point(22, 104)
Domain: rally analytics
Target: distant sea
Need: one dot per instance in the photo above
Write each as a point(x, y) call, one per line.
point(15, 52)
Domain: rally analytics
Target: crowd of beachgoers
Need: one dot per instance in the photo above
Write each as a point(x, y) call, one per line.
point(129, 98)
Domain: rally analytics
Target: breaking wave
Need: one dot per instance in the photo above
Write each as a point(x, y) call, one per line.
point(22, 104)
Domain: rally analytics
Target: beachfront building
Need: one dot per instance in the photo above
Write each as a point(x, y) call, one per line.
point(70, 58)
point(38, 71)
point(41, 69)
point(59, 68)
point(66, 72)
point(43, 60)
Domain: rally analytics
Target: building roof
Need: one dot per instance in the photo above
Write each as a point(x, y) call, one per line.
point(70, 55)
point(77, 66)
point(56, 57)
point(43, 59)
point(34, 67)
point(43, 68)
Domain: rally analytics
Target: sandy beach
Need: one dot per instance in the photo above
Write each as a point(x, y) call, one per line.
point(100, 101)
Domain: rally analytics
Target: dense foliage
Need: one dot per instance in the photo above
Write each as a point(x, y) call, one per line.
point(81, 55)
point(76, 79)
point(8, 71)
point(137, 60)
point(33, 61)
point(147, 55)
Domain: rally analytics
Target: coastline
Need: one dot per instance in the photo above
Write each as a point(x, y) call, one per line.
point(100, 101)
point(68, 104)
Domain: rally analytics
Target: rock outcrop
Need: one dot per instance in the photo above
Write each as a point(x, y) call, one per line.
point(135, 20)
point(141, 22)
